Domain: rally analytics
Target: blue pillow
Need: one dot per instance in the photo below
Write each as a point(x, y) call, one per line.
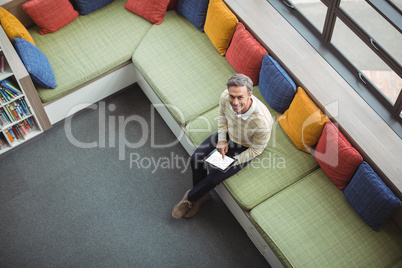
point(370, 197)
point(87, 6)
point(276, 86)
point(35, 62)
point(194, 10)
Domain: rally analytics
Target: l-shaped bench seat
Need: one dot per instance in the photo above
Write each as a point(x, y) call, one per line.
point(283, 200)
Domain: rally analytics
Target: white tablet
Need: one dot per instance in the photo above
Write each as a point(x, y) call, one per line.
point(215, 160)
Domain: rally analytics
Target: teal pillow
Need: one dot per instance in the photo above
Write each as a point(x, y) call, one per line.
point(194, 10)
point(370, 197)
point(276, 86)
point(36, 63)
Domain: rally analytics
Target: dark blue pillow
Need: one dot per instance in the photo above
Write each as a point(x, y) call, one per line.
point(87, 6)
point(370, 197)
point(35, 62)
point(276, 86)
point(194, 10)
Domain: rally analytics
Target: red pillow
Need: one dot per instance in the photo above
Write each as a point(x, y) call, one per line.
point(336, 156)
point(152, 10)
point(245, 54)
point(50, 15)
point(172, 4)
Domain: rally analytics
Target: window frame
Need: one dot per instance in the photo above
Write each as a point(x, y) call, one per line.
point(321, 41)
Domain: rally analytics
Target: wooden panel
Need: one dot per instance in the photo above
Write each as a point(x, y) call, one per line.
point(15, 8)
point(377, 142)
point(33, 97)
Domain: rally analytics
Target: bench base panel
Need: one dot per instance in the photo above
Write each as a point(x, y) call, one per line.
point(91, 93)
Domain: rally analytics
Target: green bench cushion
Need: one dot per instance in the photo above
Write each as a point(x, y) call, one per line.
point(201, 127)
point(280, 165)
point(312, 224)
point(176, 57)
point(90, 46)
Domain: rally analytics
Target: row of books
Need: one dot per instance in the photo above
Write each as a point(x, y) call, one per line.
point(14, 111)
point(8, 91)
point(21, 130)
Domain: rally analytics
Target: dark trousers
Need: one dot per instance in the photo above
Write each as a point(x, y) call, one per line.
point(204, 181)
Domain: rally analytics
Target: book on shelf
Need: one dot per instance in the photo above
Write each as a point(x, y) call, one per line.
point(6, 83)
point(8, 91)
point(14, 111)
point(3, 142)
point(20, 130)
point(4, 118)
point(9, 136)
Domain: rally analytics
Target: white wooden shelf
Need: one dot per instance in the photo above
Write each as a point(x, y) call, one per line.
point(14, 71)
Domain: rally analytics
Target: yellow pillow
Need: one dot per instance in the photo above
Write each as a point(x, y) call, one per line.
point(220, 25)
point(13, 27)
point(303, 122)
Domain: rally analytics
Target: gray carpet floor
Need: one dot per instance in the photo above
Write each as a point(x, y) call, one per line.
point(108, 205)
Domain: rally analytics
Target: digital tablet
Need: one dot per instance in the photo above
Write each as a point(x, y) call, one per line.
point(216, 161)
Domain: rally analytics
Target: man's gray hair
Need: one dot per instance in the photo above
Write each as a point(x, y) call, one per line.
point(240, 80)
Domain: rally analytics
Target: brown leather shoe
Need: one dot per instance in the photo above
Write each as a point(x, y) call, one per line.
point(197, 205)
point(182, 207)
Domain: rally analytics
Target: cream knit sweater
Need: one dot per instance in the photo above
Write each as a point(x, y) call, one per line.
point(251, 129)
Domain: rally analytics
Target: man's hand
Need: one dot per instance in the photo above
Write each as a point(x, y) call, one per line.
point(222, 147)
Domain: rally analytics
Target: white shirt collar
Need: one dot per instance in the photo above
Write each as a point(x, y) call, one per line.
point(249, 111)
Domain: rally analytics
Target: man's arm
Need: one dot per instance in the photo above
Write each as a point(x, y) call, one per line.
point(260, 141)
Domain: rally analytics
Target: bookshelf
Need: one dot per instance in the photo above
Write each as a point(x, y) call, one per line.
point(22, 116)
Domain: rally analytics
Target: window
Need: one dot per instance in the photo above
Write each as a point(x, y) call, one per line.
point(362, 40)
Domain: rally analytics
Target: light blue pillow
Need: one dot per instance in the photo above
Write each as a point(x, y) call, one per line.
point(87, 6)
point(276, 86)
point(370, 197)
point(36, 63)
point(194, 10)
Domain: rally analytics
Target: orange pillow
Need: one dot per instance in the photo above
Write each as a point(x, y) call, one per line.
point(50, 15)
point(303, 121)
point(13, 27)
point(152, 10)
point(220, 25)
